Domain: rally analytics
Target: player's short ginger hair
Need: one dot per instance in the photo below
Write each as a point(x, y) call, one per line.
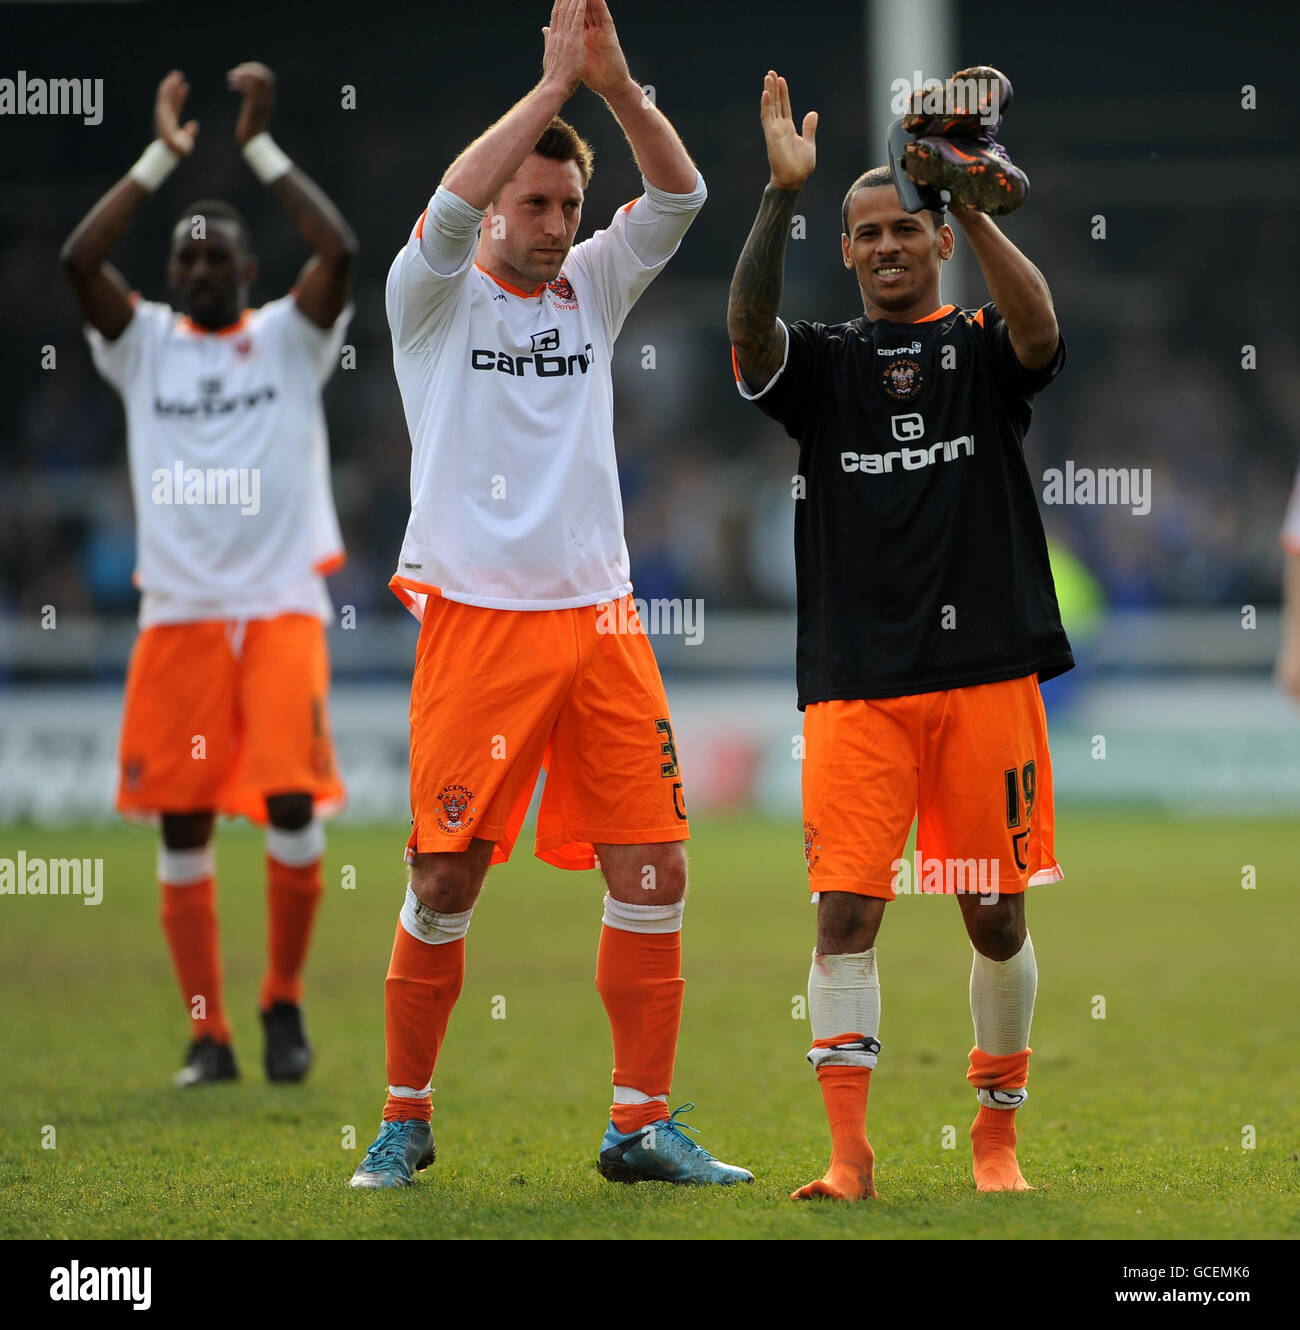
point(560, 142)
point(877, 178)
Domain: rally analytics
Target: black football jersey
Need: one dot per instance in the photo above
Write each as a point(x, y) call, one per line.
point(920, 553)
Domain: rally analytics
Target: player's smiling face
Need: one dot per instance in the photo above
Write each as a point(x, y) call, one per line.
point(539, 211)
point(210, 276)
point(897, 255)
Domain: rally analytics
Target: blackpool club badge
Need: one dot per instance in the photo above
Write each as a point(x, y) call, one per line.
point(901, 378)
point(455, 800)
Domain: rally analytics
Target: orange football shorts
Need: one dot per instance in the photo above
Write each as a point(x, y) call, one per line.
point(221, 713)
point(970, 764)
point(500, 694)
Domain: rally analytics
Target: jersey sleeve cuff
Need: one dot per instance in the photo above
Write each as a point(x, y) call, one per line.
point(767, 387)
point(664, 202)
point(447, 233)
point(452, 216)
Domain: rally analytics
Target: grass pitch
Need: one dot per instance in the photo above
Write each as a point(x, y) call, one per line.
point(1136, 1124)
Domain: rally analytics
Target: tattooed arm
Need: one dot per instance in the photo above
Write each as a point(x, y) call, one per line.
point(756, 291)
point(756, 286)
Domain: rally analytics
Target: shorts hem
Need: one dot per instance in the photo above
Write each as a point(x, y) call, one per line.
point(144, 812)
point(459, 843)
point(855, 886)
point(642, 836)
point(549, 849)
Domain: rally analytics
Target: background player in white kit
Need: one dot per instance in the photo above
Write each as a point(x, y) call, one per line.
point(515, 560)
point(228, 682)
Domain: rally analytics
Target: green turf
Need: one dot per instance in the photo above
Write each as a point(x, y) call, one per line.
point(1134, 1127)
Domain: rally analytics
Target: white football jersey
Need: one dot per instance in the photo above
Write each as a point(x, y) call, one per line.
point(515, 499)
point(229, 461)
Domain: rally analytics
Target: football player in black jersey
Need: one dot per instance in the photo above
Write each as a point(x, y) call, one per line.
point(927, 619)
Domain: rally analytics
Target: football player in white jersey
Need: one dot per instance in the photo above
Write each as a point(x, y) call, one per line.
point(226, 696)
point(531, 654)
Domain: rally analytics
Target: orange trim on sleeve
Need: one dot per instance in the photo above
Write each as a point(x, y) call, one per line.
point(979, 316)
point(331, 563)
point(419, 226)
point(506, 286)
point(399, 585)
point(627, 207)
point(938, 314)
point(412, 594)
point(735, 364)
point(410, 584)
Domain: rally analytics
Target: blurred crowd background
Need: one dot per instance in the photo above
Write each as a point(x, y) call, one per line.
point(1132, 113)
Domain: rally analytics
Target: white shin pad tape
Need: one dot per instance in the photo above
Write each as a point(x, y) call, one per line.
point(844, 997)
point(429, 926)
point(1002, 1098)
point(183, 868)
point(643, 918)
point(296, 849)
point(625, 1094)
point(1002, 1001)
point(406, 1092)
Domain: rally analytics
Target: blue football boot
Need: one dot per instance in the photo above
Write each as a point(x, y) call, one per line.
point(400, 1150)
point(662, 1152)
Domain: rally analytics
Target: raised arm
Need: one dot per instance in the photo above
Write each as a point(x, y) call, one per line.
point(102, 294)
point(1018, 289)
point(476, 176)
point(660, 154)
point(325, 283)
point(760, 274)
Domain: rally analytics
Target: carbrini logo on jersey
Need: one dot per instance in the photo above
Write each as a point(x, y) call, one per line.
point(909, 459)
point(543, 366)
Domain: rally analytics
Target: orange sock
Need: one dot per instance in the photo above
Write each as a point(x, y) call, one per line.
point(424, 980)
point(851, 1175)
point(993, 1133)
point(639, 979)
point(292, 897)
point(189, 920)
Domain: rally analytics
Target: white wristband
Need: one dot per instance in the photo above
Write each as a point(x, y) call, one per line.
point(155, 164)
point(267, 159)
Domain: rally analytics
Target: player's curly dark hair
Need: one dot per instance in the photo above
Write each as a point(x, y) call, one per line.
point(877, 177)
point(224, 212)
